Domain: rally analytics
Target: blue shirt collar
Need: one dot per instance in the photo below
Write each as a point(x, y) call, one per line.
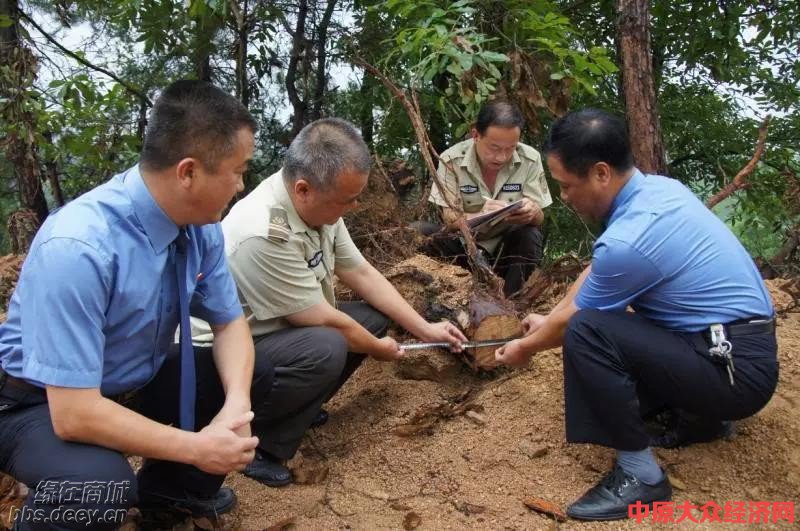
point(159, 228)
point(625, 193)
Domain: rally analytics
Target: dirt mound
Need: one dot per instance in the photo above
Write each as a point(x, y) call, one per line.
point(397, 447)
point(468, 452)
point(784, 293)
point(423, 282)
point(10, 266)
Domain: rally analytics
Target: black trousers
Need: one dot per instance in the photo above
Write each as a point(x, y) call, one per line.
point(522, 251)
point(311, 364)
point(618, 366)
point(80, 486)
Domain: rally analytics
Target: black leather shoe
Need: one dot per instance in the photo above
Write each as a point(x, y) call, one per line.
point(609, 499)
point(222, 502)
point(684, 429)
point(268, 470)
point(320, 419)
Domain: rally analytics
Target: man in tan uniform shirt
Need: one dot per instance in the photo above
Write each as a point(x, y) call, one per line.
point(284, 242)
point(483, 174)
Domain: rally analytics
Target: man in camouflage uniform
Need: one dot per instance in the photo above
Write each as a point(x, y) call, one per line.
point(284, 242)
point(483, 174)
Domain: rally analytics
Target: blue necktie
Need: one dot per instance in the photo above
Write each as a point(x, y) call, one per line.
point(188, 376)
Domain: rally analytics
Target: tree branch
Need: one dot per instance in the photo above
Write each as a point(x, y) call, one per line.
point(481, 269)
point(322, 39)
point(740, 181)
point(86, 63)
point(298, 46)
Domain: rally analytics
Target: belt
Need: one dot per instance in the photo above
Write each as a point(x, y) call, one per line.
point(750, 327)
point(19, 384)
point(747, 327)
point(22, 385)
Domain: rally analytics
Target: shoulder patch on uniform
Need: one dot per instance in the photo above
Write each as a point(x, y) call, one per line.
point(528, 152)
point(468, 189)
point(512, 187)
point(278, 229)
point(456, 151)
point(315, 260)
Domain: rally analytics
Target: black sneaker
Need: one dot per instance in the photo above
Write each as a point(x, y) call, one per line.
point(268, 470)
point(610, 498)
point(320, 420)
point(158, 510)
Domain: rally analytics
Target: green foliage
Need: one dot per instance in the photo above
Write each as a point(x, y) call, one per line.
point(443, 40)
point(91, 131)
point(549, 56)
point(447, 41)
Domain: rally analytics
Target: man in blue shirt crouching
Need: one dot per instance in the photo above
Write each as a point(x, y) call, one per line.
point(701, 339)
point(85, 374)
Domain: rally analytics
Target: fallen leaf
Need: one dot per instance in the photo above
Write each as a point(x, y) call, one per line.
point(475, 417)
point(677, 483)
point(409, 430)
point(469, 508)
point(281, 525)
point(411, 521)
point(545, 507)
point(204, 523)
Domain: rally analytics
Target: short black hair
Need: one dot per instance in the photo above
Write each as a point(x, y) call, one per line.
point(193, 119)
point(583, 138)
point(323, 150)
point(499, 113)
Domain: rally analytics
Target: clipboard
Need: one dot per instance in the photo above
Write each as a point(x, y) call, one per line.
point(489, 220)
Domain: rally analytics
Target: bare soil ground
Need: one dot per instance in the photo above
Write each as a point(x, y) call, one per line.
point(463, 453)
point(471, 467)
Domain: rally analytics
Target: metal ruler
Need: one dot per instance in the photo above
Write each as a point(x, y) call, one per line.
point(468, 344)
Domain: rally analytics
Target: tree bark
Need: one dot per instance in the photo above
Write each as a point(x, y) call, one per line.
point(20, 144)
point(638, 86)
point(52, 176)
point(241, 31)
point(203, 47)
point(366, 120)
point(740, 180)
point(321, 74)
point(299, 105)
point(438, 127)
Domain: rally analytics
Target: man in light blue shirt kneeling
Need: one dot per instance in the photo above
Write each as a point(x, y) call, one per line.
point(85, 373)
point(701, 339)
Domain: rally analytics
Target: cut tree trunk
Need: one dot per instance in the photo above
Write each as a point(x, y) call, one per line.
point(443, 291)
point(489, 319)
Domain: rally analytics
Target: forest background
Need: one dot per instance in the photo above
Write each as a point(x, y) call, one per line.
point(77, 79)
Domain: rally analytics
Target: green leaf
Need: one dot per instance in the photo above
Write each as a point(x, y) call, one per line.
point(494, 56)
point(455, 69)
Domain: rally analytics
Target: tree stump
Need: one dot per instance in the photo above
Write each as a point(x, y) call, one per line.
point(444, 291)
point(490, 319)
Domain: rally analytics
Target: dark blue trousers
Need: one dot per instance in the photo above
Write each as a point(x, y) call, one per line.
point(82, 486)
point(619, 366)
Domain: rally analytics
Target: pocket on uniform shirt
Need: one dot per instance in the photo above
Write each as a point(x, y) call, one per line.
point(472, 205)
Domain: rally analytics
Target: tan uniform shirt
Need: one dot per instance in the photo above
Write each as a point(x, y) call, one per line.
point(523, 176)
point(281, 265)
